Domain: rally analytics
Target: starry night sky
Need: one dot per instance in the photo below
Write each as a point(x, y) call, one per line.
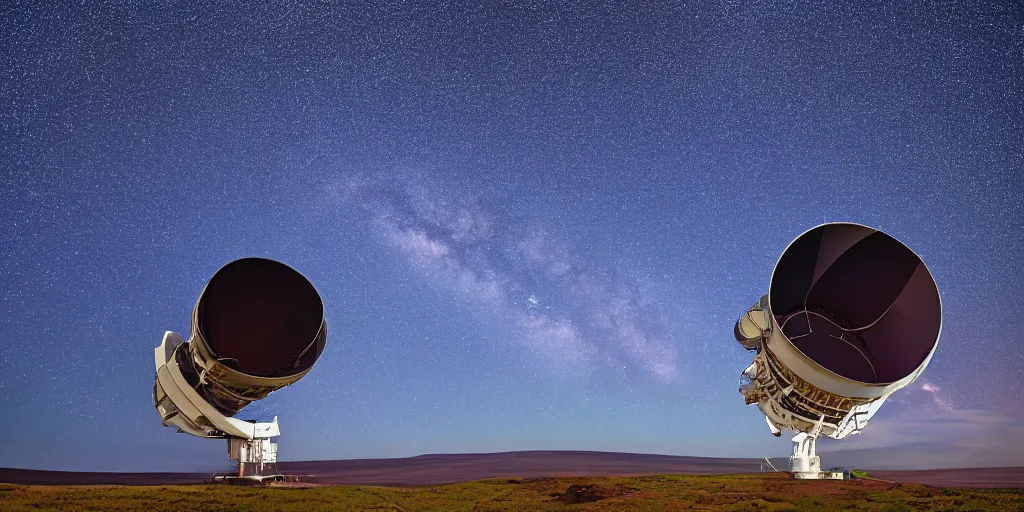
point(533, 225)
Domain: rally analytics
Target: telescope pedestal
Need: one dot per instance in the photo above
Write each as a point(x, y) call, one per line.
point(804, 464)
point(257, 457)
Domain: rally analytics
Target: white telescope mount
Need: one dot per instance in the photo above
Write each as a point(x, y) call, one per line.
point(256, 456)
point(179, 405)
point(805, 464)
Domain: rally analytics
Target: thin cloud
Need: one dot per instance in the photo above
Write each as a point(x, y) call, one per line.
point(935, 439)
point(918, 435)
point(933, 390)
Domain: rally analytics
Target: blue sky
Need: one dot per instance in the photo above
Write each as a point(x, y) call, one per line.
point(533, 225)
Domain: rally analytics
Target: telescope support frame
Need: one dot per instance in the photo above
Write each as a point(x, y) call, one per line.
point(805, 464)
point(257, 457)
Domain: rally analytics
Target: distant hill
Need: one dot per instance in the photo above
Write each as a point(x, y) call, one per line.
point(433, 469)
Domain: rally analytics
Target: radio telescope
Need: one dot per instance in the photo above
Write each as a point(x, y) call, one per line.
point(258, 326)
point(851, 316)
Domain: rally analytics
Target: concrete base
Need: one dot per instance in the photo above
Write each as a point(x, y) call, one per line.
point(248, 480)
point(817, 475)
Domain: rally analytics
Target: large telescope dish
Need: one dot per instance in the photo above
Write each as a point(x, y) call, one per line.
point(268, 326)
point(258, 325)
point(857, 302)
point(851, 316)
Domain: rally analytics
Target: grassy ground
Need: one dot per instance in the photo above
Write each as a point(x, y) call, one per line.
point(735, 492)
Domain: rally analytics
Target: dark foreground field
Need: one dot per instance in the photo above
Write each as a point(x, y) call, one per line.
point(648, 493)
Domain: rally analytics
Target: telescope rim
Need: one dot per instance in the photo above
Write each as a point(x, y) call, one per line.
point(249, 378)
point(910, 377)
point(323, 309)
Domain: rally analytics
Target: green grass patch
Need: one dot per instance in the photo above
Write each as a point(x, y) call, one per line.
point(760, 492)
